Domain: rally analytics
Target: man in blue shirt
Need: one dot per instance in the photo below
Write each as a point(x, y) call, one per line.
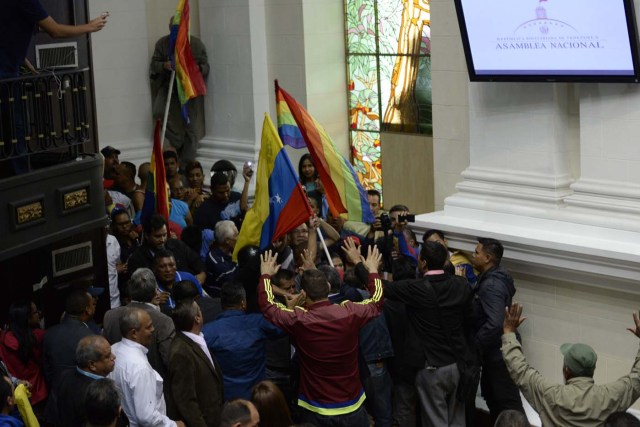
point(167, 275)
point(238, 341)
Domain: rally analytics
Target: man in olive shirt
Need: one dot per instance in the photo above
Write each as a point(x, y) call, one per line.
point(579, 402)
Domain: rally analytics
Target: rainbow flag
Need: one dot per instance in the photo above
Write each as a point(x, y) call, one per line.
point(189, 80)
point(280, 203)
point(343, 190)
point(156, 198)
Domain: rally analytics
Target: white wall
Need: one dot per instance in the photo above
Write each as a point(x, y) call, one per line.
point(120, 62)
point(450, 101)
point(552, 171)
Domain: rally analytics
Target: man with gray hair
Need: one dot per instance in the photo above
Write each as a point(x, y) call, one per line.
point(95, 361)
point(141, 386)
point(219, 265)
point(142, 289)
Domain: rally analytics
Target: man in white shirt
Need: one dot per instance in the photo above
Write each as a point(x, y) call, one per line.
point(140, 385)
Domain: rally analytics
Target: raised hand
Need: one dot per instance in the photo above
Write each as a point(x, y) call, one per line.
point(512, 318)
point(307, 260)
point(636, 319)
point(351, 251)
point(268, 263)
point(373, 259)
point(296, 300)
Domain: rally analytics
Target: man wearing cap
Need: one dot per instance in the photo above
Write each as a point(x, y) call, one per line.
point(579, 402)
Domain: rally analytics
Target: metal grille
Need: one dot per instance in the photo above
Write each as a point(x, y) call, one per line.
point(72, 258)
point(57, 55)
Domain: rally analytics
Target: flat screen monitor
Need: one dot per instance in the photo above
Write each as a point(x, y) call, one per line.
point(549, 40)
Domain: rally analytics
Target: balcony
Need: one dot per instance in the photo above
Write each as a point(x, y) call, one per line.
point(45, 120)
point(50, 175)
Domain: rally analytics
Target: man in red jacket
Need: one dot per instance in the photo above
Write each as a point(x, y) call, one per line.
point(326, 339)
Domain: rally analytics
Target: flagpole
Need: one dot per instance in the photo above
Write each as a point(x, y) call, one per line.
point(166, 107)
point(324, 245)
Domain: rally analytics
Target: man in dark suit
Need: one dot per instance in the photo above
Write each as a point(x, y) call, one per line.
point(142, 289)
point(61, 341)
point(195, 376)
point(95, 361)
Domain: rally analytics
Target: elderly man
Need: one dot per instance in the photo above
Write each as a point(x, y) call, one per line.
point(196, 378)
point(141, 386)
point(142, 288)
point(220, 267)
point(577, 402)
point(95, 361)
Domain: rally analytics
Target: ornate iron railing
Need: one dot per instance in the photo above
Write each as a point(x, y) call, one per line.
point(44, 118)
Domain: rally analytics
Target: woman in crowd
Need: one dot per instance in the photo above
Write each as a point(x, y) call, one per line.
point(271, 405)
point(309, 179)
point(21, 348)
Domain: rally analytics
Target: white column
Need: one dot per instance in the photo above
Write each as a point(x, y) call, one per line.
point(120, 65)
point(253, 42)
point(608, 191)
point(230, 112)
point(523, 148)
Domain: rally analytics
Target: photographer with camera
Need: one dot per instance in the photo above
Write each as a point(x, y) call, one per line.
point(393, 244)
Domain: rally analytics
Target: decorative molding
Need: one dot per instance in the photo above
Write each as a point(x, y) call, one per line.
point(236, 151)
point(513, 177)
point(583, 254)
point(28, 212)
point(73, 198)
point(505, 189)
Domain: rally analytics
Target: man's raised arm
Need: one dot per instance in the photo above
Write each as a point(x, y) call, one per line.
point(273, 311)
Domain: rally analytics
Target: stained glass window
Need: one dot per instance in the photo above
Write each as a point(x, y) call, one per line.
point(389, 76)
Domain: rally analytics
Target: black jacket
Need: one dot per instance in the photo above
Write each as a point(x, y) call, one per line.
point(495, 290)
point(186, 258)
point(431, 339)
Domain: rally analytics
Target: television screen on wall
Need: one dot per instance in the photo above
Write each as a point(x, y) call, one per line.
point(549, 40)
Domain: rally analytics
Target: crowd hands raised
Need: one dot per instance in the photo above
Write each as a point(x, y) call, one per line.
point(378, 329)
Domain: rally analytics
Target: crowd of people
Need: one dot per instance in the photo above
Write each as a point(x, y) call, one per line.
point(380, 328)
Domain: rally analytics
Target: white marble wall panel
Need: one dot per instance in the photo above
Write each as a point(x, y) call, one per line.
point(450, 101)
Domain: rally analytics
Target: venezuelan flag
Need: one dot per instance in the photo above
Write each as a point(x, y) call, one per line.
point(343, 190)
point(156, 198)
point(189, 80)
point(280, 203)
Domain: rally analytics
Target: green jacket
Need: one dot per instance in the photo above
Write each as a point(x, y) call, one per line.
point(580, 402)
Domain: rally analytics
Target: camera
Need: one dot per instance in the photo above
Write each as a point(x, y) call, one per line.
point(385, 222)
point(407, 218)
